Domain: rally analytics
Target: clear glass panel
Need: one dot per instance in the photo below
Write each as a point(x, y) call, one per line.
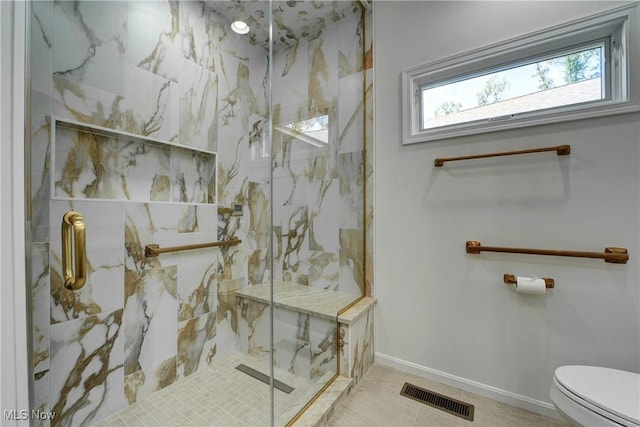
point(154, 120)
point(570, 78)
point(317, 160)
point(145, 115)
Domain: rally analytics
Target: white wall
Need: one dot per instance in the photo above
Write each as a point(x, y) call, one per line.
point(443, 312)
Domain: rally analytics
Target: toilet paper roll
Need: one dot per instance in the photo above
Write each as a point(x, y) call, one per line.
point(530, 285)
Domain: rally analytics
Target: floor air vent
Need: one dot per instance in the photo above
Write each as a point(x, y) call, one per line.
point(438, 401)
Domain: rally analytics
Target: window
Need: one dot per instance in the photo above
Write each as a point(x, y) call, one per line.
point(574, 71)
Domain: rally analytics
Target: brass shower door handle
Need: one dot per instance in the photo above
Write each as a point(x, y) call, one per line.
point(74, 246)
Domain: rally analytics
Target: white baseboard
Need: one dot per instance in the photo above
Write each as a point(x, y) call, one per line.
point(523, 402)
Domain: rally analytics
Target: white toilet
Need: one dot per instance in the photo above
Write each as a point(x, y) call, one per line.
point(595, 396)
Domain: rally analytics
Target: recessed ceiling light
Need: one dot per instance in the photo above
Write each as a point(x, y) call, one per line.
point(240, 27)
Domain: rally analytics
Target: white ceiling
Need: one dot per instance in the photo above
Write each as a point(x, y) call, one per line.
point(292, 19)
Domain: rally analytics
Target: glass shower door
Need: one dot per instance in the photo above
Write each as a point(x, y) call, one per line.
point(166, 129)
point(317, 176)
point(143, 115)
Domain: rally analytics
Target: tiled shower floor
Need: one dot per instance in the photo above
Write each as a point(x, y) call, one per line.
point(218, 395)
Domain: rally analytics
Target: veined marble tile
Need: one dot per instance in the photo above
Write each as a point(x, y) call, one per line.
point(351, 262)
point(40, 176)
point(258, 82)
point(198, 274)
point(291, 340)
point(77, 101)
point(86, 165)
point(198, 106)
point(350, 41)
point(40, 295)
point(291, 185)
point(201, 32)
point(351, 113)
point(258, 267)
point(323, 71)
point(196, 343)
point(188, 221)
point(323, 219)
point(304, 299)
point(146, 381)
point(41, 396)
point(228, 317)
point(324, 270)
point(193, 176)
point(296, 249)
point(233, 127)
point(156, 113)
point(259, 148)
point(259, 214)
point(324, 347)
point(153, 39)
point(146, 223)
point(253, 326)
point(100, 234)
point(198, 219)
point(93, 165)
point(359, 341)
point(41, 43)
point(236, 258)
point(166, 225)
point(291, 75)
point(89, 43)
point(103, 290)
point(144, 171)
point(87, 381)
point(322, 165)
point(351, 175)
point(149, 317)
point(278, 250)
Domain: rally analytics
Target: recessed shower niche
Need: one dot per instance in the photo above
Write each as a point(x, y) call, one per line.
point(99, 163)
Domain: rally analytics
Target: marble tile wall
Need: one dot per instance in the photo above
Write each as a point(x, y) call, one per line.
point(166, 71)
point(171, 71)
point(357, 354)
point(317, 189)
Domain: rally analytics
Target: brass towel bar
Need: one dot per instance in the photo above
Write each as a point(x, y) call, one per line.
point(512, 280)
point(153, 249)
point(612, 255)
point(561, 150)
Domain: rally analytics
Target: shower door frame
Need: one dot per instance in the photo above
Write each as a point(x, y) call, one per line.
point(13, 69)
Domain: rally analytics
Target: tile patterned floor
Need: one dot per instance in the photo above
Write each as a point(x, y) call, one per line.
point(376, 401)
point(218, 395)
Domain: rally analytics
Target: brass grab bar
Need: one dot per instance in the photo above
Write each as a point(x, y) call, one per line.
point(610, 254)
point(561, 150)
point(74, 243)
point(153, 249)
point(512, 280)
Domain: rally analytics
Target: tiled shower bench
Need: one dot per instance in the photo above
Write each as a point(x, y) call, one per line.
point(306, 327)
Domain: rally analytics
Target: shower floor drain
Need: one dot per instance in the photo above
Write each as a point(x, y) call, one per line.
point(438, 401)
point(264, 378)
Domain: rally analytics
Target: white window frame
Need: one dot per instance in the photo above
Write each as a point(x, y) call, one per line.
point(619, 25)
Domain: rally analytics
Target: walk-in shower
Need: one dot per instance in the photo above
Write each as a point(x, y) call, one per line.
point(221, 179)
